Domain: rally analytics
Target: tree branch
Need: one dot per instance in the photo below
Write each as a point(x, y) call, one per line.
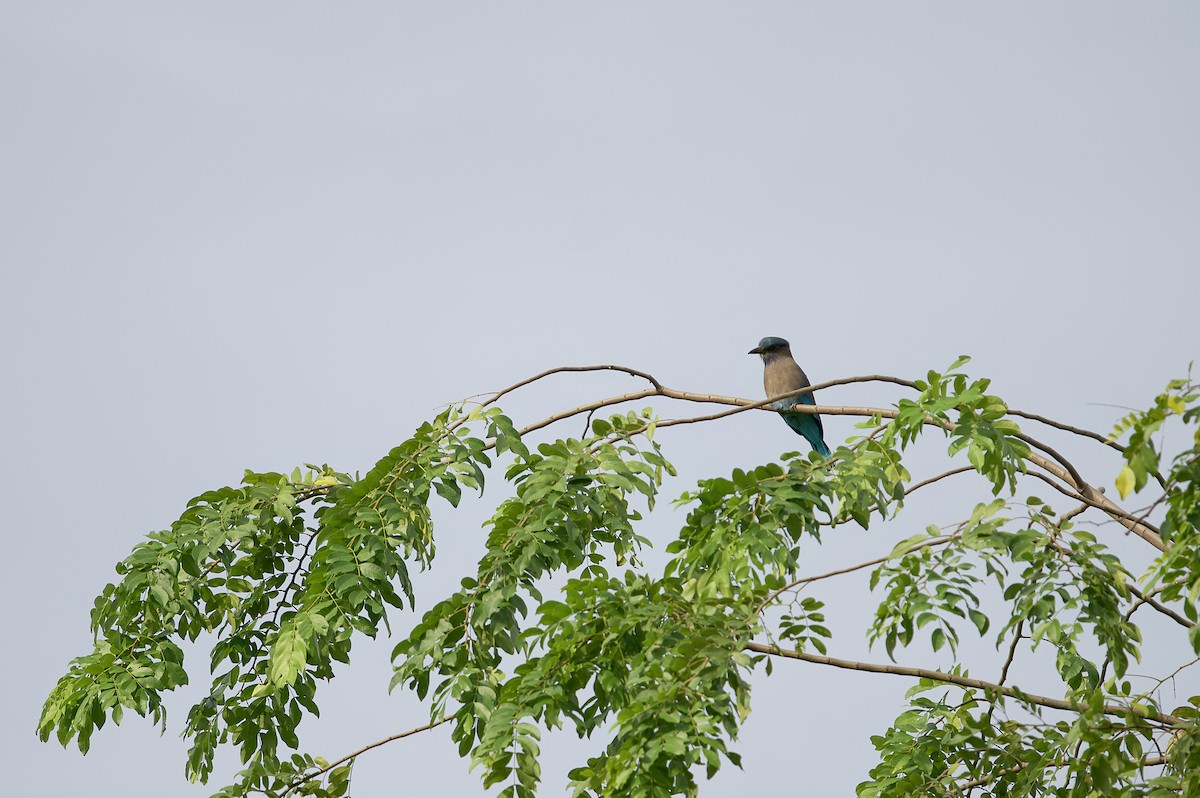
point(1012, 651)
point(964, 681)
point(659, 388)
point(1062, 468)
point(1147, 762)
point(909, 490)
point(1018, 635)
point(1146, 531)
point(567, 369)
point(1161, 608)
point(850, 569)
point(738, 404)
point(1087, 433)
point(318, 773)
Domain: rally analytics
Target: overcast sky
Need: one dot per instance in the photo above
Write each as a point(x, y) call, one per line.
point(251, 235)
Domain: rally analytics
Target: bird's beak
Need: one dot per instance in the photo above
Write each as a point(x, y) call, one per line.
point(755, 351)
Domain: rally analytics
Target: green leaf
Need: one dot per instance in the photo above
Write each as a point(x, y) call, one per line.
point(1125, 481)
point(938, 638)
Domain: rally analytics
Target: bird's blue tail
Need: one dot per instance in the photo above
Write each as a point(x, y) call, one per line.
point(808, 425)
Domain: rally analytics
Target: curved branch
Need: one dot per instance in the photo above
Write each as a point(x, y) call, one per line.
point(939, 477)
point(1062, 469)
point(874, 377)
point(738, 405)
point(1076, 478)
point(660, 388)
point(964, 681)
point(318, 773)
point(1143, 529)
point(1068, 474)
point(741, 405)
point(1162, 609)
point(851, 569)
point(570, 369)
point(1087, 433)
point(908, 491)
point(587, 408)
point(1018, 635)
point(1082, 490)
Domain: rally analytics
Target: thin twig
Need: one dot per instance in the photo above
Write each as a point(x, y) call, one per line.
point(1008, 661)
point(1071, 477)
point(875, 378)
point(1012, 651)
point(1161, 608)
point(905, 494)
point(318, 773)
point(943, 475)
point(850, 569)
point(300, 561)
point(1146, 531)
point(1087, 433)
point(1147, 762)
point(567, 369)
point(964, 681)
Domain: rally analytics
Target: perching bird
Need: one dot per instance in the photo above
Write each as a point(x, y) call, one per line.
point(782, 375)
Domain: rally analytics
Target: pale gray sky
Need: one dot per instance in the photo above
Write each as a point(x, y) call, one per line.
point(252, 235)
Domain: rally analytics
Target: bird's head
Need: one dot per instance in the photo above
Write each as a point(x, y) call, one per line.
point(770, 346)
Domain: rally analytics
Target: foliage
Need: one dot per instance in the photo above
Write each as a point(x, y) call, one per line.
point(285, 572)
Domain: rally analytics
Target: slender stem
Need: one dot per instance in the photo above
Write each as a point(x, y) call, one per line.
point(1018, 634)
point(964, 681)
point(1147, 762)
point(1087, 433)
point(1154, 605)
point(1012, 651)
point(907, 491)
point(568, 369)
point(307, 777)
point(1062, 468)
point(1146, 531)
point(850, 569)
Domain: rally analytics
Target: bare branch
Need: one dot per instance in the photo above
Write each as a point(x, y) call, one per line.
point(943, 475)
point(964, 681)
point(906, 492)
point(873, 378)
point(1146, 531)
point(850, 569)
point(1087, 433)
point(1012, 651)
point(1018, 634)
point(567, 369)
point(318, 773)
point(737, 404)
point(1076, 479)
point(1161, 608)
point(587, 408)
point(1062, 468)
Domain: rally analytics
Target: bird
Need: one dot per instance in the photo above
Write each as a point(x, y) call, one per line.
point(782, 375)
